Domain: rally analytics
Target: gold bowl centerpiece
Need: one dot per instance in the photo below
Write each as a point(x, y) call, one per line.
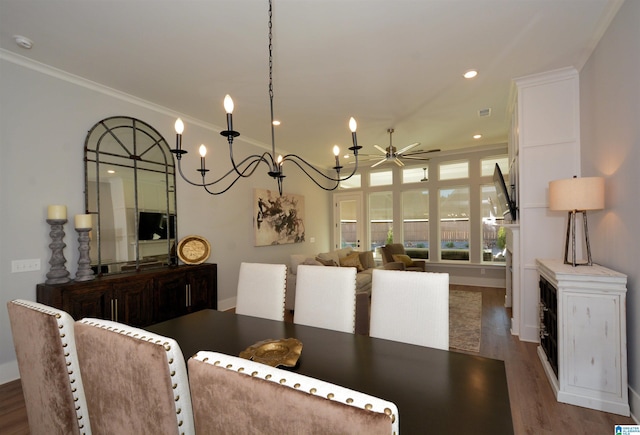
point(282, 352)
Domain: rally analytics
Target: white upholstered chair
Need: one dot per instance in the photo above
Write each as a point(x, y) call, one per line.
point(326, 297)
point(232, 395)
point(410, 307)
point(46, 351)
point(261, 290)
point(135, 381)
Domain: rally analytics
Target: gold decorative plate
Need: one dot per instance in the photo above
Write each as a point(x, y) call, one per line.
point(194, 250)
point(274, 353)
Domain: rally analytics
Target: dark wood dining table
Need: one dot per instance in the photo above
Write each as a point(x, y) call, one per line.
point(436, 391)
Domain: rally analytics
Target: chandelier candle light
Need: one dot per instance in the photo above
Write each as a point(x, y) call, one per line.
point(576, 195)
point(247, 166)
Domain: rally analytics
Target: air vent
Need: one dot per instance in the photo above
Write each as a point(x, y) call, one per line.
point(483, 113)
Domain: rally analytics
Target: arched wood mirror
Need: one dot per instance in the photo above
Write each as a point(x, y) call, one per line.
point(130, 191)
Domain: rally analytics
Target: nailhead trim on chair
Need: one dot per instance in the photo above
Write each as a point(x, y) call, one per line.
point(151, 338)
point(303, 383)
point(71, 368)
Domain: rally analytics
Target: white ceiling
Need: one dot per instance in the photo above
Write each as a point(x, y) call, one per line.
point(388, 63)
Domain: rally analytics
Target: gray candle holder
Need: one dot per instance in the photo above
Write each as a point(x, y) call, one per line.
point(84, 272)
point(58, 274)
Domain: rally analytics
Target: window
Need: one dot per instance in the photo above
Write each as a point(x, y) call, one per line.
point(487, 166)
point(354, 182)
point(454, 170)
point(415, 175)
point(381, 178)
point(454, 223)
point(493, 233)
point(380, 218)
point(415, 222)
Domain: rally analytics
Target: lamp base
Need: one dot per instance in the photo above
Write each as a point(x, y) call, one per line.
point(571, 234)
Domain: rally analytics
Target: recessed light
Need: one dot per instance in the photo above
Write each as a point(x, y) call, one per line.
point(276, 122)
point(23, 41)
point(470, 74)
point(477, 136)
point(111, 171)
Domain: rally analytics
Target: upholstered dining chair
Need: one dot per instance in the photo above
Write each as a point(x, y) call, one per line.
point(410, 307)
point(46, 351)
point(232, 395)
point(326, 297)
point(394, 257)
point(135, 381)
point(261, 290)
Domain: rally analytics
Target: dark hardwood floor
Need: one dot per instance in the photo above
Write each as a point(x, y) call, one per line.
point(533, 407)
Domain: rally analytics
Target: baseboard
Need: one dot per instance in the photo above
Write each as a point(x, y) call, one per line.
point(9, 371)
point(634, 404)
point(226, 304)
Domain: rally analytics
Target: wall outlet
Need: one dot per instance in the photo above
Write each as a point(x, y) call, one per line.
point(482, 271)
point(25, 265)
point(312, 239)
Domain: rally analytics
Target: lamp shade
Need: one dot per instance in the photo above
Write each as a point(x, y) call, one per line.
point(577, 194)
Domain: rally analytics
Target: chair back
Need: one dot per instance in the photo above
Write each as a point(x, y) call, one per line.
point(46, 351)
point(410, 307)
point(232, 395)
point(261, 290)
point(326, 297)
point(135, 381)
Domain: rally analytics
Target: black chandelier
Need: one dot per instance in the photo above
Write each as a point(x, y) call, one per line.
point(247, 166)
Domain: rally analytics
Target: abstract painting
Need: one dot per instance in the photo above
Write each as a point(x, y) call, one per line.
point(278, 219)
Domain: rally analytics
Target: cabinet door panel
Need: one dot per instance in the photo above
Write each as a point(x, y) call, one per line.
point(201, 286)
point(94, 301)
point(134, 302)
point(170, 297)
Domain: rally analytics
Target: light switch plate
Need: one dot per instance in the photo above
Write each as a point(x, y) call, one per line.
point(25, 265)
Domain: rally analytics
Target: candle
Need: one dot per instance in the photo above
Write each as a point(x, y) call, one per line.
point(336, 152)
point(57, 212)
point(83, 221)
point(228, 107)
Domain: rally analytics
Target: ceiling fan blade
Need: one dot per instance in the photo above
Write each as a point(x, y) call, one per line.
point(422, 159)
point(398, 162)
point(422, 152)
point(407, 148)
point(379, 163)
point(379, 148)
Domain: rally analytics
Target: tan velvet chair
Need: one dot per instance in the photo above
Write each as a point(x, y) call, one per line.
point(135, 381)
point(232, 395)
point(410, 307)
point(326, 297)
point(390, 263)
point(45, 348)
point(261, 290)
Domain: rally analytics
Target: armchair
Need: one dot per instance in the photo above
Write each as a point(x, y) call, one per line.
point(401, 260)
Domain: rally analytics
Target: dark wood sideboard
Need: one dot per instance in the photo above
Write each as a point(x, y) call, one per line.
point(138, 298)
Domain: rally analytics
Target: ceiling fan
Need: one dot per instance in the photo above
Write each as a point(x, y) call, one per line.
point(392, 154)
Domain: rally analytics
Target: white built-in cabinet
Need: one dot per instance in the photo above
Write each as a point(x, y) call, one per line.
point(583, 334)
point(544, 145)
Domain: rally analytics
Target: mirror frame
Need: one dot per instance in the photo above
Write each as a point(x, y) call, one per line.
point(125, 131)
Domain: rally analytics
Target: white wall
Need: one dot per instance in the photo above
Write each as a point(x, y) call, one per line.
point(44, 118)
point(610, 131)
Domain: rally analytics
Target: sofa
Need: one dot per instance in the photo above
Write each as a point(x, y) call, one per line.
point(345, 257)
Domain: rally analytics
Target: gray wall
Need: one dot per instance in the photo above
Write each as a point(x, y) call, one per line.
point(44, 118)
point(610, 132)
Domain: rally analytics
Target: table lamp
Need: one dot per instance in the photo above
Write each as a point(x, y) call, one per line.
point(576, 195)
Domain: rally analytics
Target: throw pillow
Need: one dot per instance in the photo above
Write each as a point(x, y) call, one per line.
point(352, 260)
point(326, 256)
point(312, 262)
point(326, 262)
point(408, 262)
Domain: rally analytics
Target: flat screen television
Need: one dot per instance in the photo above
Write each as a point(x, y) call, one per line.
point(155, 226)
point(506, 206)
